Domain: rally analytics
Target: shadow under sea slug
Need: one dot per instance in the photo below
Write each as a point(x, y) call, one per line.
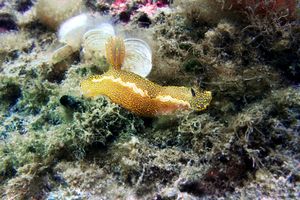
point(138, 94)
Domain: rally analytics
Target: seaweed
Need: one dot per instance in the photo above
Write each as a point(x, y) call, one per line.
point(94, 127)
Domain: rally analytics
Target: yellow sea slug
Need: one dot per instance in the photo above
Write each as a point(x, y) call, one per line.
point(138, 94)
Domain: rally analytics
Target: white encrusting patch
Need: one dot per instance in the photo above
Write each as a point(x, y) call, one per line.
point(173, 100)
point(130, 85)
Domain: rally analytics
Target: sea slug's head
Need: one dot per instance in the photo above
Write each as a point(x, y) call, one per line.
point(200, 99)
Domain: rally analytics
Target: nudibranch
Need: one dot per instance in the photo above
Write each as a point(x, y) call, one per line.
point(138, 94)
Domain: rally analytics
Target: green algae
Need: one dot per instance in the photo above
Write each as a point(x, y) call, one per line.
point(97, 125)
point(41, 146)
point(10, 92)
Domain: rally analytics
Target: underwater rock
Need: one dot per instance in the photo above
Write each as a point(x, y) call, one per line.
point(143, 20)
point(98, 6)
point(24, 5)
point(201, 12)
point(7, 23)
point(10, 92)
point(53, 13)
point(35, 96)
point(225, 173)
point(71, 103)
point(263, 8)
point(246, 145)
point(126, 9)
point(103, 122)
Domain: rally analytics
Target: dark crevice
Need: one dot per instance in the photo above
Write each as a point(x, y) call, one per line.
point(7, 23)
point(24, 5)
